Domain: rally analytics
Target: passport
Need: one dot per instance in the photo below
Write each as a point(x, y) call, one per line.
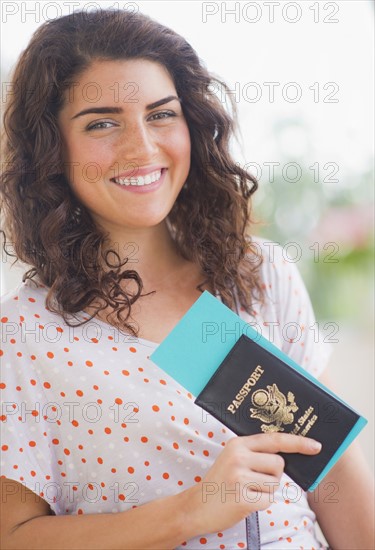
point(251, 386)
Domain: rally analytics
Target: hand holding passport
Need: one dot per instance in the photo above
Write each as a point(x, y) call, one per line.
point(252, 387)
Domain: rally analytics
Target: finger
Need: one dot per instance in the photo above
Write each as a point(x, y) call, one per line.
point(267, 463)
point(279, 442)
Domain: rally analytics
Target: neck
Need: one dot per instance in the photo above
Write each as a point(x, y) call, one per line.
point(152, 252)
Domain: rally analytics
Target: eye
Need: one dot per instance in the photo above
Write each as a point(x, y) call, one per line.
point(162, 115)
point(103, 124)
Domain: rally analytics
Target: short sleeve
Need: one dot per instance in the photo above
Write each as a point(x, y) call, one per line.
point(26, 454)
point(291, 310)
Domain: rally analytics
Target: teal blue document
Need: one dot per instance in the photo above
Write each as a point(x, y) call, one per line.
point(198, 344)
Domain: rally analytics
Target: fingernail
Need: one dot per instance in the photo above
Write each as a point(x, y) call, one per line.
point(315, 445)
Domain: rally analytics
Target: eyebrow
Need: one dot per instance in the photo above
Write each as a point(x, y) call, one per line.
point(119, 110)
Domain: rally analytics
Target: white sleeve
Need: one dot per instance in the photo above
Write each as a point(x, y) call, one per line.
point(300, 333)
point(26, 453)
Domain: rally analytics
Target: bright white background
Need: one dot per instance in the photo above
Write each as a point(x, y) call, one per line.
point(307, 43)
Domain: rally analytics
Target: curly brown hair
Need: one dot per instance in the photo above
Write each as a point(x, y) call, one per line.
point(48, 227)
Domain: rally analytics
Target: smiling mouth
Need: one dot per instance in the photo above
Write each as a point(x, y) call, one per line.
point(138, 181)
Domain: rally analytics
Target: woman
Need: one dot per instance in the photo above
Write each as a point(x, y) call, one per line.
point(121, 194)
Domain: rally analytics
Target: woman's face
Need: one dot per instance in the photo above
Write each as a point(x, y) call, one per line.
point(126, 143)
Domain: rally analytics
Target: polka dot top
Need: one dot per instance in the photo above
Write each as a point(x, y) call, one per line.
point(92, 425)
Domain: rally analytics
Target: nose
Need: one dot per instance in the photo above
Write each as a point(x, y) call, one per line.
point(138, 143)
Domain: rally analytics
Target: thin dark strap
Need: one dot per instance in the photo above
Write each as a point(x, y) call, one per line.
point(252, 531)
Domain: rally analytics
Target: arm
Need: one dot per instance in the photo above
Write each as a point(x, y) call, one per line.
point(163, 523)
point(344, 501)
point(27, 522)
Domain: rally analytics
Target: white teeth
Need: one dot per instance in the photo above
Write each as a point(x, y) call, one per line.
point(140, 180)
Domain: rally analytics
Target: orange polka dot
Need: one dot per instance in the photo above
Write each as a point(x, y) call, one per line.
point(2, 386)
point(186, 421)
point(210, 434)
point(118, 401)
point(50, 355)
point(107, 430)
point(89, 363)
point(162, 382)
point(125, 372)
point(133, 350)
point(155, 408)
point(166, 475)
point(176, 445)
point(33, 382)
point(79, 393)
point(131, 470)
point(203, 540)
point(197, 479)
point(32, 443)
point(286, 523)
point(100, 460)
point(55, 441)
point(144, 439)
point(272, 523)
point(47, 385)
point(66, 451)
point(4, 319)
point(75, 423)
point(4, 447)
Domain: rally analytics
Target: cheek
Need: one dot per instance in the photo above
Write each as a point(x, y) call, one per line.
point(180, 146)
point(88, 163)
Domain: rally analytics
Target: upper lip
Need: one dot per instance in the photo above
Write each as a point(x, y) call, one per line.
point(138, 171)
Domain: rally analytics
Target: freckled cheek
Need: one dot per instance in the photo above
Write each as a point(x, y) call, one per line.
point(179, 147)
point(89, 164)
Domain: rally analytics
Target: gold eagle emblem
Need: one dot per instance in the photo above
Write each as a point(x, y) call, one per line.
point(273, 408)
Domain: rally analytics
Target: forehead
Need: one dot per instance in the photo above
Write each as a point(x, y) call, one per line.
point(134, 81)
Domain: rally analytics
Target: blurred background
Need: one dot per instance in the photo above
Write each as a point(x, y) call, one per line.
point(302, 77)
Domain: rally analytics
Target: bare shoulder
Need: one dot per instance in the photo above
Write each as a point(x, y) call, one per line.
point(18, 505)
